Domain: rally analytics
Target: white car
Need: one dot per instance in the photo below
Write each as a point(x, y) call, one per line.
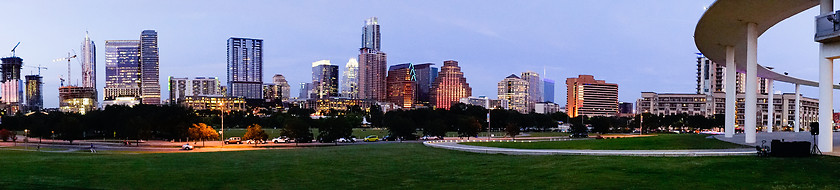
point(281, 140)
point(252, 141)
point(186, 147)
point(427, 138)
point(345, 140)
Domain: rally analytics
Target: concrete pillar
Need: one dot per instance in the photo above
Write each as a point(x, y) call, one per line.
point(729, 127)
point(796, 113)
point(770, 107)
point(824, 140)
point(750, 99)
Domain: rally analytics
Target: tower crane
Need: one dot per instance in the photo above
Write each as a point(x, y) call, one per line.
point(68, 64)
point(62, 79)
point(39, 67)
point(13, 49)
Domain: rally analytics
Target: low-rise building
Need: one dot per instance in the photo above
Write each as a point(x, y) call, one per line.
point(546, 107)
point(214, 102)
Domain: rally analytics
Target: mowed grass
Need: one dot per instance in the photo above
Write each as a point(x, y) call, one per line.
point(406, 166)
point(658, 142)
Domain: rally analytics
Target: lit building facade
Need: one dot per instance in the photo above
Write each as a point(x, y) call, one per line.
point(535, 93)
point(350, 81)
point(402, 85)
point(370, 34)
point(372, 63)
point(122, 70)
point(711, 75)
point(77, 99)
point(324, 105)
point(11, 86)
point(450, 86)
point(590, 97)
point(709, 105)
point(305, 91)
point(324, 79)
point(214, 102)
point(149, 68)
point(34, 95)
point(180, 88)
point(278, 91)
point(515, 91)
point(425, 74)
point(244, 67)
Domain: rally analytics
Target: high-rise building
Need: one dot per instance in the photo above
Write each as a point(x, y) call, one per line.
point(402, 85)
point(180, 88)
point(122, 70)
point(370, 34)
point(450, 86)
point(426, 75)
point(590, 97)
point(324, 79)
point(34, 96)
point(372, 63)
point(534, 88)
point(279, 90)
point(244, 67)
point(625, 108)
point(88, 57)
point(711, 78)
point(11, 85)
point(350, 81)
point(515, 91)
point(305, 91)
point(149, 68)
point(548, 90)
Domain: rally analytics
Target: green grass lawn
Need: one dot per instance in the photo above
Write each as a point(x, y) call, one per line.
point(406, 166)
point(658, 142)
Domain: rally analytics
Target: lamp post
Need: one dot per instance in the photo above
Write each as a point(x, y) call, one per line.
point(25, 138)
point(222, 133)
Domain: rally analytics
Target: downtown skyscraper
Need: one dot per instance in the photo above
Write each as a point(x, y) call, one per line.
point(515, 91)
point(350, 81)
point(149, 68)
point(244, 67)
point(402, 85)
point(450, 86)
point(122, 71)
point(372, 63)
point(425, 74)
point(324, 79)
point(88, 58)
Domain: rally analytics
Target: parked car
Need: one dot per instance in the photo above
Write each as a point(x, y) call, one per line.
point(186, 147)
point(345, 140)
point(389, 138)
point(371, 138)
point(233, 140)
point(579, 135)
point(281, 140)
point(252, 141)
point(428, 138)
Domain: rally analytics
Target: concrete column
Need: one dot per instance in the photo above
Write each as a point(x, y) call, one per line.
point(729, 127)
point(750, 99)
point(796, 113)
point(770, 110)
point(825, 139)
point(826, 6)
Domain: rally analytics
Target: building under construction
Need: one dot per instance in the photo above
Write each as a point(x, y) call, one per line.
point(11, 87)
point(77, 99)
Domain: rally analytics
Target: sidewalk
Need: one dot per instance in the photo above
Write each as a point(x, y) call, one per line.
point(453, 145)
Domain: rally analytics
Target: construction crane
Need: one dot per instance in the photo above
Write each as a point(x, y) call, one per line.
point(68, 65)
point(62, 79)
point(13, 49)
point(39, 67)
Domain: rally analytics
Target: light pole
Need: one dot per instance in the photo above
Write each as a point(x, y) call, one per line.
point(641, 120)
point(25, 138)
point(222, 133)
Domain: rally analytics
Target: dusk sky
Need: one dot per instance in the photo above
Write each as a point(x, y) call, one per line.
point(640, 45)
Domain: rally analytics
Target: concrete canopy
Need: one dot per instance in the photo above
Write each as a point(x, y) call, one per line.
point(725, 24)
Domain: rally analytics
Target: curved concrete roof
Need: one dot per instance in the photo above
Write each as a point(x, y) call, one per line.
point(724, 24)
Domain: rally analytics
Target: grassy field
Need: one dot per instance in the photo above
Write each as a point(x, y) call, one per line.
point(406, 166)
point(658, 142)
point(358, 132)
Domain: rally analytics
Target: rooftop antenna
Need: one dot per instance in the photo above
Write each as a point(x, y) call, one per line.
point(13, 49)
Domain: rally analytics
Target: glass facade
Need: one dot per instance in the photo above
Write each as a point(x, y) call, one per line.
point(325, 79)
point(122, 69)
point(350, 81)
point(370, 34)
point(515, 91)
point(34, 96)
point(425, 75)
point(244, 67)
point(402, 85)
point(149, 68)
point(548, 90)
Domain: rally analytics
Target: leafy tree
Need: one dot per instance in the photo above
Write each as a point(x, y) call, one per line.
point(256, 133)
point(6, 135)
point(332, 128)
point(203, 132)
point(399, 125)
point(375, 116)
point(468, 126)
point(297, 129)
point(512, 130)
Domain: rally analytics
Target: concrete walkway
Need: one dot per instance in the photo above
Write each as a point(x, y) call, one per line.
point(453, 145)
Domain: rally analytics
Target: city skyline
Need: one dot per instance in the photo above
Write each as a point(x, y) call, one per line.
point(554, 43)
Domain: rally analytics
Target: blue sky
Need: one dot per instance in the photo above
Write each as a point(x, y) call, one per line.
point(641, 45)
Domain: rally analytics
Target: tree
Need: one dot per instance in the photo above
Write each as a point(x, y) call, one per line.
point(375, 116)
point(399, 125)
point(203, 132)
point(256, 133)
point(297, 129)
point(6, 135)
point(468, 126)
point(512, 130)
point(332, 128)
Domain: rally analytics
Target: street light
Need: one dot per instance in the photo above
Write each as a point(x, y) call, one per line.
point(222, 133)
